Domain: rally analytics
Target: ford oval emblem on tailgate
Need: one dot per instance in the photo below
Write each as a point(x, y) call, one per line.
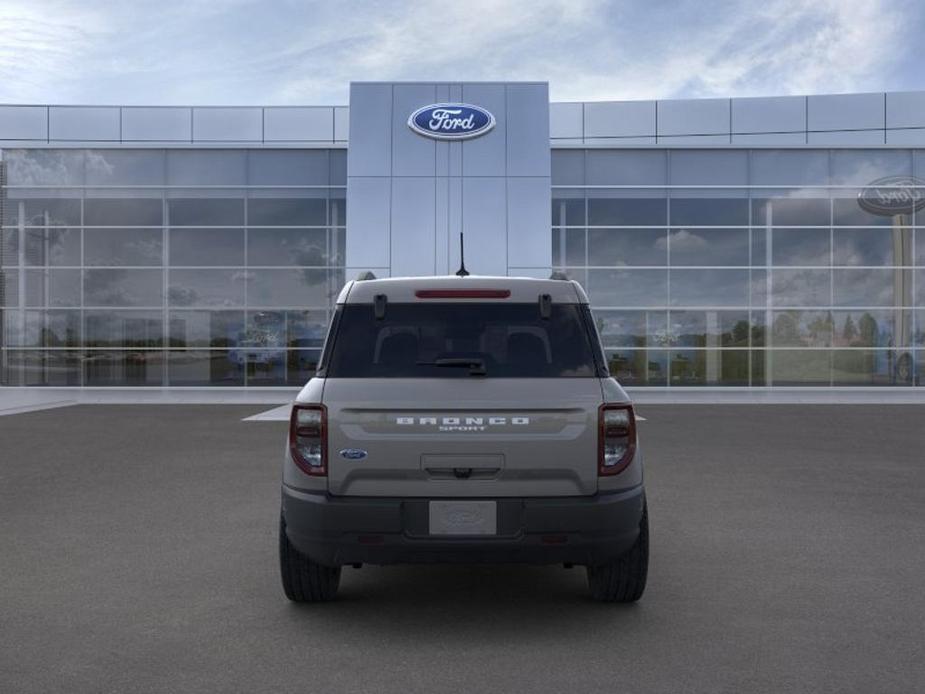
point(353, 453)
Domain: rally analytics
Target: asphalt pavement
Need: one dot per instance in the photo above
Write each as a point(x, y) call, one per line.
point(138, 554)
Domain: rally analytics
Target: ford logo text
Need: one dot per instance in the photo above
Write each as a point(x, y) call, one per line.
point(451, 121)
point(893, 195)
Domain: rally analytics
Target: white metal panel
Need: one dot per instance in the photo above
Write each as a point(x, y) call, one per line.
point(413, 226)
point(693, 140)
point(368, 215)
point(412, 154)
point(486, 155)
point(620, 141)
point(156, 124)
point(99, 123)
point(619, 119)
point(847, 137)
point(565, 120)
point(298, 123)
point(454, 223)
point(341, 123)
point(693, 117)
point(527, 123)
point(845, 111)
point(528, 236)
point(441, 224)
point(770, 139)
point(241, 124)
point(905, 110)
point(908, 136)
point(370, 151)
point(781, 114)
point(23, 123)
point(484, 222)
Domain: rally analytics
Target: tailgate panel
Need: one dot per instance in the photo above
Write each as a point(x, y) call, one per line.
point(463, 438)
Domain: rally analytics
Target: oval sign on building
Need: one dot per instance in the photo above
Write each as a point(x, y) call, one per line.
point(893, 195)
point(451, 121)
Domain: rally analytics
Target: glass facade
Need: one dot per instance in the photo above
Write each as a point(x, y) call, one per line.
point(741, 267)
point(179, 267)
point(219, 267)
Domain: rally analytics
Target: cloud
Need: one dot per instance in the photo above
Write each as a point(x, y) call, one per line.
point(245, 51)
point(682, 241)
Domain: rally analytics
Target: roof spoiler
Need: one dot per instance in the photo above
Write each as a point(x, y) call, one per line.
point(367, 275)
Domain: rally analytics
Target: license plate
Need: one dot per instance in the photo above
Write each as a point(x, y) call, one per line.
point(463, 517)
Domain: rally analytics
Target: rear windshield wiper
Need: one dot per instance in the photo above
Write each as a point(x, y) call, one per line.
point(476, 366)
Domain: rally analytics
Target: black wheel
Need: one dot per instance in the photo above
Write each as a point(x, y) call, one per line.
point(303, 579)
point(624, 580)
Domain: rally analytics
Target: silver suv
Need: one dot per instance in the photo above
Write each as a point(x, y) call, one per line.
point(463, 419)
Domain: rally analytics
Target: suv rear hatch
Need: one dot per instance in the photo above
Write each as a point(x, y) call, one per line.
point(463, 398)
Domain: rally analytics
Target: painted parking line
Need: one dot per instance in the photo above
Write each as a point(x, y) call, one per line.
point(36, 407)
point(277, 414)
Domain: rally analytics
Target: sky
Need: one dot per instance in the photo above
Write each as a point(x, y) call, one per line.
point(277, 52)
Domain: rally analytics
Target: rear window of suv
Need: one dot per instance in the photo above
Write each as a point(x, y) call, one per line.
point(462, 340)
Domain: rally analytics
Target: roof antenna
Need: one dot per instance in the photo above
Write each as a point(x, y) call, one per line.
point(462, 271)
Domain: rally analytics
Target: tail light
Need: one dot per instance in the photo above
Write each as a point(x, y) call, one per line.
point(308, 438)
point(617, 438)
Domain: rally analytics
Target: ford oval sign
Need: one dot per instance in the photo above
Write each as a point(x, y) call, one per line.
point(451, 121)
point(893, 195)
point(353, 453)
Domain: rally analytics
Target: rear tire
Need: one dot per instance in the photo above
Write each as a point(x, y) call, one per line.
point(303, 579)
point(624, 580)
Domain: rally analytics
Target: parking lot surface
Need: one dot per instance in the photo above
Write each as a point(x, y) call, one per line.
point(138, 554)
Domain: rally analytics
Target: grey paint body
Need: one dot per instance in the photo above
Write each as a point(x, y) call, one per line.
point(551, 452)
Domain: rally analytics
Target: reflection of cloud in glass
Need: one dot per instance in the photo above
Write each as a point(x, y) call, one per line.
point(104, 289)
point(868, 247)
point(800, 287)
point(44, 167)
point(182, 296)
point(304, 252)
point(682, 240)
point(871, 287)
point(97, 166)
point(220, 288)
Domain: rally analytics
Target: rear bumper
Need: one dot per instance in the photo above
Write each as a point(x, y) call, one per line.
point(349, 530)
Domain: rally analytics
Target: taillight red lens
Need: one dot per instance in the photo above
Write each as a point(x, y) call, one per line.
point(308, 438)
point(617, 438)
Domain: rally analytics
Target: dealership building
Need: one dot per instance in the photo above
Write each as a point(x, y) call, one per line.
point(738, 243)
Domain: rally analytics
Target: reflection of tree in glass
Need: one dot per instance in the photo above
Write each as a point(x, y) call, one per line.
point(739, 334)
point(821, 328)
point(867, 327)
point(786, 328)
point(817, 332)
point(850, 331)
